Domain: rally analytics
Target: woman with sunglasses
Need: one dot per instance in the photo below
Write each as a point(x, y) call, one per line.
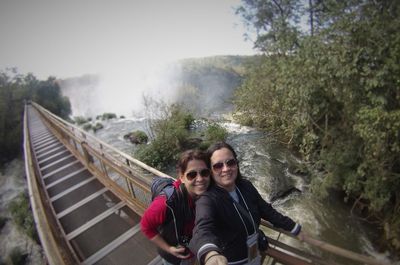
point(228, 215)
point(169, 220)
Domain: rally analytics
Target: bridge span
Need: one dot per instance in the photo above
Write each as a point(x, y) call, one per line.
point(87, 199)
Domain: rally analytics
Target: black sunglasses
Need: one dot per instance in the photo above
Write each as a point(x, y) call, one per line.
point(205, 172)
point(229, 163)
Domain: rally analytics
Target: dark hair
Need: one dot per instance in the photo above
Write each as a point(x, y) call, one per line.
point(218, 146)
point(188, 156)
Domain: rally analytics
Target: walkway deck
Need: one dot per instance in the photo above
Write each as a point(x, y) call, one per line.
point(100, 227)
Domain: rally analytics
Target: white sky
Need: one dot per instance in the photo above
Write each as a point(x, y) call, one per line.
point(76, 37)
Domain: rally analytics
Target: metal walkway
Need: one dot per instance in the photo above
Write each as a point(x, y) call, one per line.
point(99, 226)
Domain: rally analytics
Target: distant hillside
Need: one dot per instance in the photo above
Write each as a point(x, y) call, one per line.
point(207, 84)
point(81, 93)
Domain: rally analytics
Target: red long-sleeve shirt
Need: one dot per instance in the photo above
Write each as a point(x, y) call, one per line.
point(156, 214)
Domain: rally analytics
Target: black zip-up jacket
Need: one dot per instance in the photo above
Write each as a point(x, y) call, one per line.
point(177, 226)
point(219, 227)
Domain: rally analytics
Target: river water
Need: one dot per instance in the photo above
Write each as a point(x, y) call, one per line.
point(267, 165)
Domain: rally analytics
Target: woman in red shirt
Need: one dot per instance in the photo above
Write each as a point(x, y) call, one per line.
point(169, 220)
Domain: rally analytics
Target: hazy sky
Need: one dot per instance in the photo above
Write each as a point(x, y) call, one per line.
point(75, 37)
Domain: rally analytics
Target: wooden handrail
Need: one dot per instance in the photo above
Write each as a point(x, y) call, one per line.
point(284, 258)
point(330, 248)
point(111, 148)
point(89, 148)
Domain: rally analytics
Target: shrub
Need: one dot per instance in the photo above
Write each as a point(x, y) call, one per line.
point(79, 120)
point(22, 216)
point(137, 137)
point(172, 132)
point(159, 154)
point(97, 127)
point(215, 133)
point(17, 257)
point(87, 127)
point(108, 116)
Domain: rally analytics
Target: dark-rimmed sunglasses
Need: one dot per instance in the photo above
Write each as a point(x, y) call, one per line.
point(229, 163)
point(193, 174)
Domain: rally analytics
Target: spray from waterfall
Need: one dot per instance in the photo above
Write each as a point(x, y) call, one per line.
point(119, 90)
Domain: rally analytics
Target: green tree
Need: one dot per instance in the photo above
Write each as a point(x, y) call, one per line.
point(171, 131)
point(48, 94)
point(14, 90)
point(333, 93)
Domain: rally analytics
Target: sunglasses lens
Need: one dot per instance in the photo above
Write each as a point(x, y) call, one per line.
point(191, 175)
point(205, 172)
point(231, 162)
point(218, 166)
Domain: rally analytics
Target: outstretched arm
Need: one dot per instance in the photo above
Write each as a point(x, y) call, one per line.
point(204, 240)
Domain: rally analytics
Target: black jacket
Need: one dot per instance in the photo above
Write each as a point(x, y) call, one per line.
point(219, 227)
point(177, 227)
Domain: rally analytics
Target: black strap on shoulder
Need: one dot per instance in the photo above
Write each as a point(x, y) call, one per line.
point(179, 203)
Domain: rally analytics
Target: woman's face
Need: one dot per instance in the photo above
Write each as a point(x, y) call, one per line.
point(224, 168)
point(196, 177)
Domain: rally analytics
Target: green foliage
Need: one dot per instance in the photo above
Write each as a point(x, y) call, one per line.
point(137, 137)
point(22, 215)
point(14, 90)
point(48, 95)
point(333, 93)
point(17, 257)
point(215, 133)
point(87, 126)
point(97, 126)
point(79, 120)
point(108, 116)
point(172, 132)
point(141, 136)
point(160, 153)
point(275, 23)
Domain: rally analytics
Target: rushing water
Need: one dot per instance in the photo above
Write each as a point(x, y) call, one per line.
point(266, 163)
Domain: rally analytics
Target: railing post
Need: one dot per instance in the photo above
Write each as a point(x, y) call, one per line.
point(88, 158)
point(103, 167)
point(128, 183)
point(73, 138)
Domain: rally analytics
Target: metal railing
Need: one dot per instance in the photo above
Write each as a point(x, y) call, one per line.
point(55, 249)
point(127, 177)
